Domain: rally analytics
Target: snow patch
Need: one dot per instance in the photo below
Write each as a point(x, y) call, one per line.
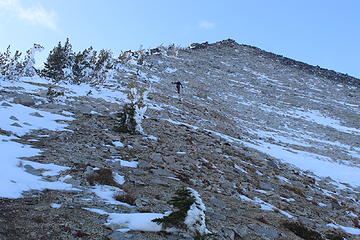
point(20, 119)
point(195, 218)
point(131, 164)
point(118, 144)
point(350, 230)
point(55, 205)
point(15, 180)
point(170, 70)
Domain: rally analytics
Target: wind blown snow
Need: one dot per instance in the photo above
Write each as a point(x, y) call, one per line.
point(195, 218)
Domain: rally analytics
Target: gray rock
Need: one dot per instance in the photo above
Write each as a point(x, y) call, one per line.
point(158, 181)
point(5, 104)
point(16, 125)
point(24, 100)
point(14, 118)
point(126, 236)
point(141, 202)
point(241, 231)
point(156, 157)
point(217, 202)
point(306, 221)
point(216, 216)
point(162, 172)
point(266, 186)
point(88, 172)
point(218, 150)
point(144, 164)
point(52, 106)
point(336, 205)
point(169, 159)
point(112, 150)
point(139, 172)
point(74, 182)
point(272, 164)
point(30, 169)
point(36, 114)
point(264, 231)
point(229, 234)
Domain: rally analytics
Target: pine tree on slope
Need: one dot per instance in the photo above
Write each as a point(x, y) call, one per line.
point(29, 62)
point(103, 65)
point(13, 68)
point(84, 66)
point(69, 60)
point(59, 63)
point(4, 60)
point(54, 64)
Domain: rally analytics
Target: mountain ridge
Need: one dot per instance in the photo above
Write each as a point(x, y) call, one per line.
point(316, 70)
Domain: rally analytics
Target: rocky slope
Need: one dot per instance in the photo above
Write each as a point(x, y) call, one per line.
point(256, 134)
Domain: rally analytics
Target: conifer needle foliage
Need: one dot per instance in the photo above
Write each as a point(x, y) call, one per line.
point(181, 202)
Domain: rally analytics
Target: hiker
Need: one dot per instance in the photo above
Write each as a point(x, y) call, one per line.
point(178, 84)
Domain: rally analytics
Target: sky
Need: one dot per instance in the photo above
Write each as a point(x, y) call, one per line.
point(321, 32)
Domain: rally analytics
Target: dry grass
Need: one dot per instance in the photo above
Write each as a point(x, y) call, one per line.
point(356, 222)
point(302, 231)
point(124, 197)
point(104, 177)
point(295, 190)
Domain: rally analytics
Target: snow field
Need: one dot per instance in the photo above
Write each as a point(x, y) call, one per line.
point(15, 180)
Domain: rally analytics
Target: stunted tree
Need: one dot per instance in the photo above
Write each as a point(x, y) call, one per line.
point(133, 112)
point(84, 65)
point(59, 63)
point(4, 60)
point(188, 214)
point(103, 65)
point(55, 62)
point(69, 60)
point(77, 68)
point(13, 68)
point(29, 61)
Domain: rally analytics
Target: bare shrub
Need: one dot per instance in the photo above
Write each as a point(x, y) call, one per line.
point(102, 176)
point(124, 197)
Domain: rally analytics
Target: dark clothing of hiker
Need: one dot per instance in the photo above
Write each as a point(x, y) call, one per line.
point(178, 84)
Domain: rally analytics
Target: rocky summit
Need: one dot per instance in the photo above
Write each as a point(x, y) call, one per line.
point(270, 144)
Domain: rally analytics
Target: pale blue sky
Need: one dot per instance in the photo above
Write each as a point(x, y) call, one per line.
point(319, 32)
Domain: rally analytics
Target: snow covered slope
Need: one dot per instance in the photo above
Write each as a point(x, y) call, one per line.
point(246, 96)
point(266, 142)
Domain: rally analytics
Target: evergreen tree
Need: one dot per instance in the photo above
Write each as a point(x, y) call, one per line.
point(188, 214)
point(77, 68)
point(14, 67)
point(87, 64)
point(69, 60)
point(29, 61)
point(59, 63)
point(103, 65)
point(182, 201)
point(55, 64)
point(4, 60)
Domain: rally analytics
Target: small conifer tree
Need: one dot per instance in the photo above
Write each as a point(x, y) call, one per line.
point(29, 61)
point(69, 57)
point(133, 112)
point(181, 203)
point(4, 60)
point(12, 70)
point(59, 63)
point(77, 68)
point(103, 65)
point(53, 67)
point(87, 64)
point(189, 213)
